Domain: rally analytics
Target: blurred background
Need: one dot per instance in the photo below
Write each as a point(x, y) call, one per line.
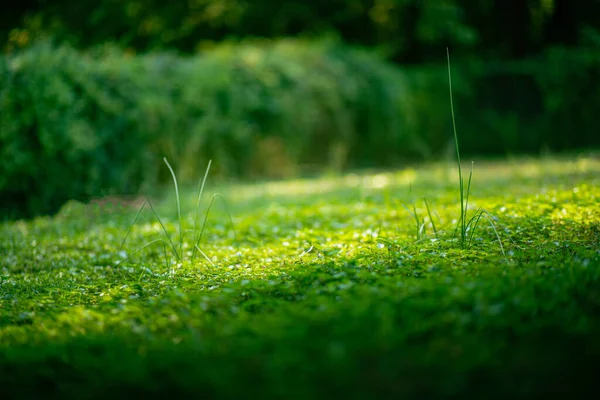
point(94, 93)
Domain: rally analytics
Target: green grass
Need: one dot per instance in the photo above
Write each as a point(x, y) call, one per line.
point(466, 226)
point(322, 292)
point(166, 240)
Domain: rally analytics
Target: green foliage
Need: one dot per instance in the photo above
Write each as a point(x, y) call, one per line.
point(510, 107)
point(397, 26)
point(76, 125)
point(466, 226)
point(407, 31)
point(266, 109)
point(269, 320)
point(70, 129)
point(91, 124)
point(178, 251)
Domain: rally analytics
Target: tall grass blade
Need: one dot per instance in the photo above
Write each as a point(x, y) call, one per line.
point(177, 254)
point(199, 197)
point(506, 232)
point(430, 217)
point(490, 220)
point(132, 224)
point(466, 208)
point(205, 256)
point(212, 200)
point(462, 221)
point(472, 226)
point(178, 209)
point(474, 223)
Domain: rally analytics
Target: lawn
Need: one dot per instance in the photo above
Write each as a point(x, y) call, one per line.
point(334, 287)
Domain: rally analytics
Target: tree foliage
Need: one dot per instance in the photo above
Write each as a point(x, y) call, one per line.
point(407, 31)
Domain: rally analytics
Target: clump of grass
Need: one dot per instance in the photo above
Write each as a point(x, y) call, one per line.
point(177, 250)
point(466, 226)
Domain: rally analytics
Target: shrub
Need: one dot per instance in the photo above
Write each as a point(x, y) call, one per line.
point(318, 104)
point(79, 125)
point(70, 129)
point(76, 125)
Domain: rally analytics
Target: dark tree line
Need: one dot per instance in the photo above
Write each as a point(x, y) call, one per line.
point(408, 31)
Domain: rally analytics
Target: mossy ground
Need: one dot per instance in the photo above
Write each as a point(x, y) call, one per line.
point(324, 291)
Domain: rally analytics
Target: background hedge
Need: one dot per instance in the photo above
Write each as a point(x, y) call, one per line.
point(80, 124)
point(70, 127)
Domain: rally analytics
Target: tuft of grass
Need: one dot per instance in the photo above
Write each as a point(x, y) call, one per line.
point(178, 250)
point(466, 226)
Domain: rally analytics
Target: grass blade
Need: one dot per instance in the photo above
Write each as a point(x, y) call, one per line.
point(132, 224)
point(199, 197)
point(178, 209)
point(165, 232)
point(430, 217)
point(205, 256)
point(472, 226)
point(468, 190)
point(212, 200)
point(462, 220)
point(490, 220)
point(474, 222)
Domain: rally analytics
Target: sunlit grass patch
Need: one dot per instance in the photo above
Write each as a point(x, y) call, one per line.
point(325, 280)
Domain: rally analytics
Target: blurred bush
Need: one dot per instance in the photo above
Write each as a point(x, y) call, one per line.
point(70, 128)
point(288, 106)
point(79, 125)
point(76, 125)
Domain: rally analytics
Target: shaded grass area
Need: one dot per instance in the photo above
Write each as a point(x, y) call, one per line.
point(325, 293)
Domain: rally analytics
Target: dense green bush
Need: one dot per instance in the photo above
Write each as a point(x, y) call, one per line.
point(75, 125)
point(318, 105)
point(78, 125)
point(70, 128)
